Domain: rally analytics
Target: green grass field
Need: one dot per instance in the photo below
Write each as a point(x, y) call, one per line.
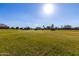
point(39, 43)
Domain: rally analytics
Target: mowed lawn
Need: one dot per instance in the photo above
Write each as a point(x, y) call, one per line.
point(39, 43)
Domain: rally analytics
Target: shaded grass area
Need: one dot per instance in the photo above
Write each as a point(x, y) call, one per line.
point(39, 43)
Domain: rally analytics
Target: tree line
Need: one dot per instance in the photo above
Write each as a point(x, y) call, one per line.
point(51, 27)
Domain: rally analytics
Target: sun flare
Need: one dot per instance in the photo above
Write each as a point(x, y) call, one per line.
point(48, 9)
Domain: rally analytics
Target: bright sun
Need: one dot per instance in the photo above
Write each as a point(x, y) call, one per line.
point(48, 9)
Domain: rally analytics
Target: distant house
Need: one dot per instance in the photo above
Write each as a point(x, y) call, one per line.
point(3, 26)
point(38, 28)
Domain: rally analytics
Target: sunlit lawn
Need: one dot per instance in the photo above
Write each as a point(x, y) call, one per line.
point(31, 42)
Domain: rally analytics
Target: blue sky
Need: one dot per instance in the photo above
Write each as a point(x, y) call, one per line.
point(30, 14)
